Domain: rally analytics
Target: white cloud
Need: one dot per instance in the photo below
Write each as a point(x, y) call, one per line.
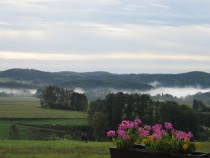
point(89, 37)
point(110, 56)
point(21, 34)
point(110, 2)
point(160, 5)
point(132, 7)
point(2, 23)
point(91, 30)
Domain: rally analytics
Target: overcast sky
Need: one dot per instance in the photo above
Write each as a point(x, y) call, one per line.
point(118, 36)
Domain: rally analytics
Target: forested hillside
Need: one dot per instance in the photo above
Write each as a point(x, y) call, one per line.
point(28, 78)
point(104, 79)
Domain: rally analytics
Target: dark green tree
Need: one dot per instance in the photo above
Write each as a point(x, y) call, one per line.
point(157, 111)
point(99, 125)
point(128, 110)
point(144, 108)
point(114, 104)
point(181, 116)
point(78, 101)
point(59, 98)
point(48, 97)
point(117, 107)
point(199, 106)
point(95, 106)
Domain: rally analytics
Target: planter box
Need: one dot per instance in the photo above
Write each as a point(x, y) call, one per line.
point(142, 153)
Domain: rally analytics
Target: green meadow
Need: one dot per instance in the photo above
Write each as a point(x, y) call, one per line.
point(53, 149)
point(60, 149)
point(9, 79)
point(29, 107)
point(25, 113)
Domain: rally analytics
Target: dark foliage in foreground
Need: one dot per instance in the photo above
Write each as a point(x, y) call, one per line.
point(106, 114)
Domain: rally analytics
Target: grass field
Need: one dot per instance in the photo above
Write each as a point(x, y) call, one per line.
point(29, 107)
point(60, 149)
point(5, 79)
point(25, 131)
point(9, 79)
point(205, 147)
point(53, 149)
point(27, 111)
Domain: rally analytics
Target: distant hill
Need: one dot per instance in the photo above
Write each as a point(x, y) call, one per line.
point(98, 84)
point(70, 80)
point(67, 78)
point(194, 79)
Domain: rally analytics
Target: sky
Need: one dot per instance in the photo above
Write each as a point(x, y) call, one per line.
point(118, 36)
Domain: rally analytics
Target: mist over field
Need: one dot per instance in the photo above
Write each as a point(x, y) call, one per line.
point(176, 91)
point(18, 91)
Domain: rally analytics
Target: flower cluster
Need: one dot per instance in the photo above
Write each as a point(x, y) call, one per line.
point(127, 132)
point(154, 138)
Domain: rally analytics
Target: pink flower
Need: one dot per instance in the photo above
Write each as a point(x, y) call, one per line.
point(111, 133)
point(125, 137)
point(137, 122)
point(131, 132)
point(122, 126)
point(156, 136)
point(143, 132)
point(189, 135)
point(148, 128)
point(173, 131)
point(168, 125)
point(130, 124)
point(123, 134)
point(126, 125)
point(157, 127)
point(163, 132)
point(181, 135)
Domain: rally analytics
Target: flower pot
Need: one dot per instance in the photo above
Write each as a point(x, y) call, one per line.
point(142, 153)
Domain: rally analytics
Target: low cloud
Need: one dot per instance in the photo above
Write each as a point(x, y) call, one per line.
point(155, 84)
point(79, 90)
point(175, 91)
point(18, 92)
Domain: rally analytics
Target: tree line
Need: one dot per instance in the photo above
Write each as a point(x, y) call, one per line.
point(106, 114)
point(59, 98)
point(199, 106)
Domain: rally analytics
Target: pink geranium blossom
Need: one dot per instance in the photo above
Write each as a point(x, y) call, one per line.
point(126, 125)
point(155, 138)
point(137, 122)
point(168, 125)
point(148, 128)
point(143, 132)
point(157, 127)
point(189, 135)
point(121, 132)
point(111, 133)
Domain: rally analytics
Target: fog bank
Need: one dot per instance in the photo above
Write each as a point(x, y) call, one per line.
point(175, 91)
point(18, 91)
